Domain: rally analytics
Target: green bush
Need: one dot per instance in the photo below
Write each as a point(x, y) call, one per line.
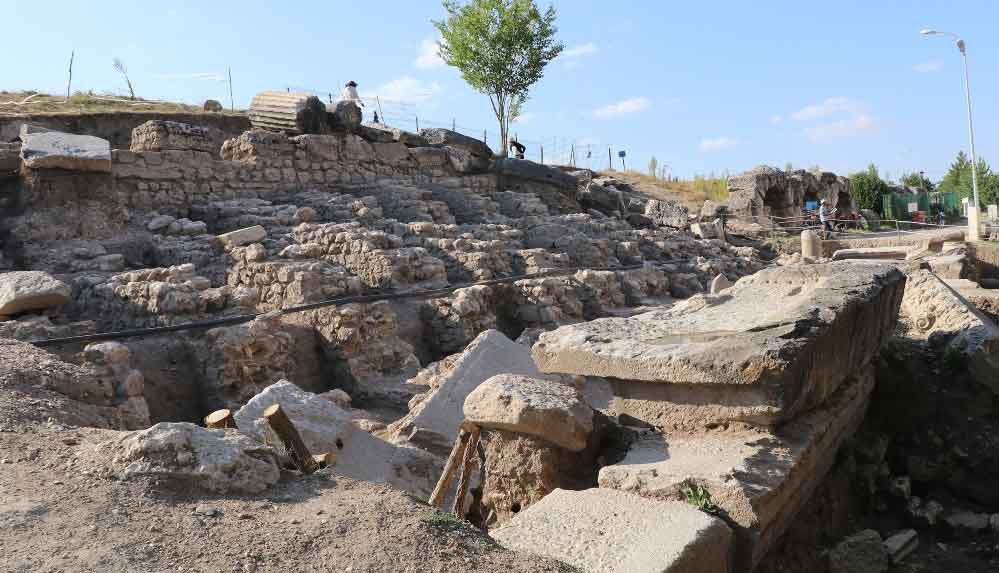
point(868, 187)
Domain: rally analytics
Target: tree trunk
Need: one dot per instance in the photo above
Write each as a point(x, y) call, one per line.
point(504, 126)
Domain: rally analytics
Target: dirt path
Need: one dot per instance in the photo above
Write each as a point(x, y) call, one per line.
point(61, 511)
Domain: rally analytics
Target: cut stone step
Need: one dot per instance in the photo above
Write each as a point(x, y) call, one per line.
point(759, 479)
point(600, 530)
point(891, 253)
point(774, 345)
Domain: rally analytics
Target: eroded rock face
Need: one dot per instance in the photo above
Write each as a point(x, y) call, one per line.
point(187, 455)
point(725, 357)
point(22, 291)
point(57, 150)
point(550, 410)
point(667, 213)
point(606, 530)
point(520, 470)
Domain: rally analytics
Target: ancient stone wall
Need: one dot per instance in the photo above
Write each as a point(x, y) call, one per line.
point(116, 127)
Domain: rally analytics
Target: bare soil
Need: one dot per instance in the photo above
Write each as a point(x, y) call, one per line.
point(60, 510)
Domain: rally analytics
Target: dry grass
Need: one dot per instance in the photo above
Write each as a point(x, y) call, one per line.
point(29, 102)
point(693, 192)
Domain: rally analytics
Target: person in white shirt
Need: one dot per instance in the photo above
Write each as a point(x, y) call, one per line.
point(825, 217)
point(349, 93)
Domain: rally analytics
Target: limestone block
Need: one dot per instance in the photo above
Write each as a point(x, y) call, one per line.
point(811, 245)
point(530, 171)
point(433, 424)
point(900, 545)
point(667, 213)
point(241, 237)
point(609, 531)
point(446, 137)
point(550, 410)
point(760, 479)
point(931, 306)
point(10, 157)
point(775, 344)
point(162, 135)
point(57, 150)
point(21, 291)
point(325, 427)
point(719, 283)
point(864, 253)
point(860, 553)
point(216, 460)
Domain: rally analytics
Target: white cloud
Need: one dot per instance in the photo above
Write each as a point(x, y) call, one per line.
point(171, 12)
point(429, 58)
point(776, 119)
point(205, 76)
point(581, 50)
point(857, 125)
point(624, 107)
point(718, 144)
point(826, 107)
point(525, 117)
point(928, 66)
point(407, 90)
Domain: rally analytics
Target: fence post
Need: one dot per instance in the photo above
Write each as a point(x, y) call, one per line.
point(898, 232)
point(610, 162)
point(542, 153)
point(417, 124)
point(453, 125)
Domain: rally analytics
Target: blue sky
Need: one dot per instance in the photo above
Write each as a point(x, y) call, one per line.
point(704, 86)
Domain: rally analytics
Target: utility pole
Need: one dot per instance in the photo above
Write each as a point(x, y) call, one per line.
point(232, 102)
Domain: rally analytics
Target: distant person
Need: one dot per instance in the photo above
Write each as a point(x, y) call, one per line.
point(942, 217)
point(518, 148)
point(349, 93)
point(376, 117)
point(826, 216)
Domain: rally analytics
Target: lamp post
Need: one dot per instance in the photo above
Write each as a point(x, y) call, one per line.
point(972, 215)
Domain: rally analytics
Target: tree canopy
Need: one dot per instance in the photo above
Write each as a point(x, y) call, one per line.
point(958, 180)
point(501, 48)
point(868, 187)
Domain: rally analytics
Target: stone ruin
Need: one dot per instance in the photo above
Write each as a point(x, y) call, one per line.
point(768, 196)
point(660, 371)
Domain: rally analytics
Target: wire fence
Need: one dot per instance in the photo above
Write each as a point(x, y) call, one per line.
point(583, 152)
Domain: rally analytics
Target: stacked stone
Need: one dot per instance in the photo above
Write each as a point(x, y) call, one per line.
point(788, 382)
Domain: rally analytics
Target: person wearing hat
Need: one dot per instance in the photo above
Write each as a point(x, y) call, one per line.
point(349, 93)
point(825, 217)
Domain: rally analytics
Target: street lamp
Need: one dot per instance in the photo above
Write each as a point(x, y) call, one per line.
point(971, 131)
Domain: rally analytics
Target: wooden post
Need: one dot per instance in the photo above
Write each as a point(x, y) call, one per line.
point(484, 138)
point(288, 435)
point(440, 490)
point(417, 124)
point(69, 83)
point(610, 162)
point(232, 101)
point(378, 101)
point(542, 153)
point(466, 473)
point(220, 419)
point(454, 126)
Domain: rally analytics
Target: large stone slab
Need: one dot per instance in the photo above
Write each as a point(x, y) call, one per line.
point(21, 291)
point(933, 307)
point(433, 423)
point(57, 150)
point(188, 455)
point(759, 479)
point(774, 345)
point(326, 427)
point(864, 253)
point(599, 530)
point(554, 411)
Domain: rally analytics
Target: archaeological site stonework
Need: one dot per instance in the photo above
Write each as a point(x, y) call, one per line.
point(588, 374)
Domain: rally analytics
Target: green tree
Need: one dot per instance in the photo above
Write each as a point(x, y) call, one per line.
point(501, 48)
point(917, 181)
point(653, 166)
point(958, 180)
point(868, 187)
